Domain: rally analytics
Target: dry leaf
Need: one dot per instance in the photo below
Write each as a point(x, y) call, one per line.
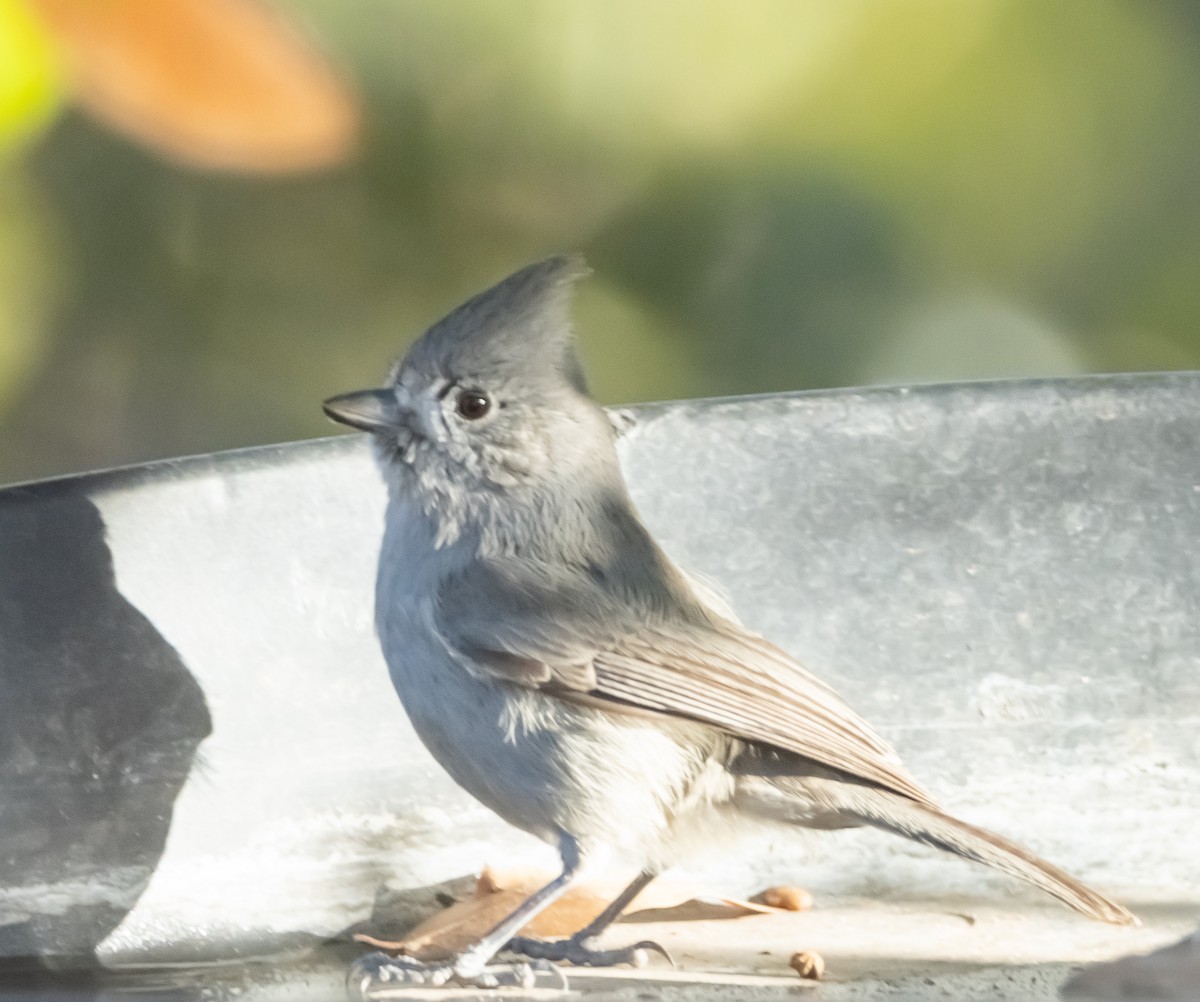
point(498, 893)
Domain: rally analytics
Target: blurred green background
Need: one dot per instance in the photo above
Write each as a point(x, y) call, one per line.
point(773, 195)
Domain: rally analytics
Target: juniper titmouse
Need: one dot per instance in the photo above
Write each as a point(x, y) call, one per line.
point(559, 665)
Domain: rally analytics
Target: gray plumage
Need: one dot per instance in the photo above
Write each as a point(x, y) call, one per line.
point(552, 657)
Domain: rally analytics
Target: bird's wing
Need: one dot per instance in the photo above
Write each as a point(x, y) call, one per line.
point(678, 660)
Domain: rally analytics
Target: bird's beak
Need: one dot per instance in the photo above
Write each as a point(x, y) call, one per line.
point(367, 410)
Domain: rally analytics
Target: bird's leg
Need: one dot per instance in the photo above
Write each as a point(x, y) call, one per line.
point(376, 971)
point(581, 949)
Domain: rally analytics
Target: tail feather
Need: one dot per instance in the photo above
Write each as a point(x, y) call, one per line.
point(932, 827)
point(822, 801)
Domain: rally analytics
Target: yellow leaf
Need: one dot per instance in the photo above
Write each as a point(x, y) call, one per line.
point(30, 82)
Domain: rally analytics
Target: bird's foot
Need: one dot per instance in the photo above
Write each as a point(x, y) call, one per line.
point(375, 975)
point(582, 951)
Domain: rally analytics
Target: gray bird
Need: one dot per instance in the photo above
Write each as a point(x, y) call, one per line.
point(563, 669)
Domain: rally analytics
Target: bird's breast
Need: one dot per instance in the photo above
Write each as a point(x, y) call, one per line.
point(544, 764)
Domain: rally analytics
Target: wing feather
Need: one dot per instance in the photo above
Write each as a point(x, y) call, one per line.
point(678, 659)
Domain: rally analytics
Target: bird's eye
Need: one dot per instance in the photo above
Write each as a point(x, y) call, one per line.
point(473, 404)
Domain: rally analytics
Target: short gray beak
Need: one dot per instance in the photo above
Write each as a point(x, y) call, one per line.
point(367, 410)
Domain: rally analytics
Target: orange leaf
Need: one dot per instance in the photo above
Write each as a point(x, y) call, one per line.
point(211, 83)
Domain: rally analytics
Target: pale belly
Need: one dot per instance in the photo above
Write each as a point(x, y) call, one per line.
point(548, 766)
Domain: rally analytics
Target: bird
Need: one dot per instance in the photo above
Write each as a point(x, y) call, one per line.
point(564, 670)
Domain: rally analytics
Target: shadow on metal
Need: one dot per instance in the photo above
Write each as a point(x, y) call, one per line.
point(99, 725)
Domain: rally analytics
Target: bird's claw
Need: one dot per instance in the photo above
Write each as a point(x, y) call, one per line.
point(584, 953)
point(372, 975)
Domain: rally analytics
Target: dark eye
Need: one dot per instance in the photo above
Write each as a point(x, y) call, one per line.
point(473, 404)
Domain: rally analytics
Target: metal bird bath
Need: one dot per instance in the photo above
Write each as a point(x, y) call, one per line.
point(202, 760)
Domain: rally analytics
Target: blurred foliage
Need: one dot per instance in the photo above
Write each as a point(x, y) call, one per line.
point(776, 195)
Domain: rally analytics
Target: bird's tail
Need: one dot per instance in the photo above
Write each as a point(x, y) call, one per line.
point(932, 827)
point(825, 803)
